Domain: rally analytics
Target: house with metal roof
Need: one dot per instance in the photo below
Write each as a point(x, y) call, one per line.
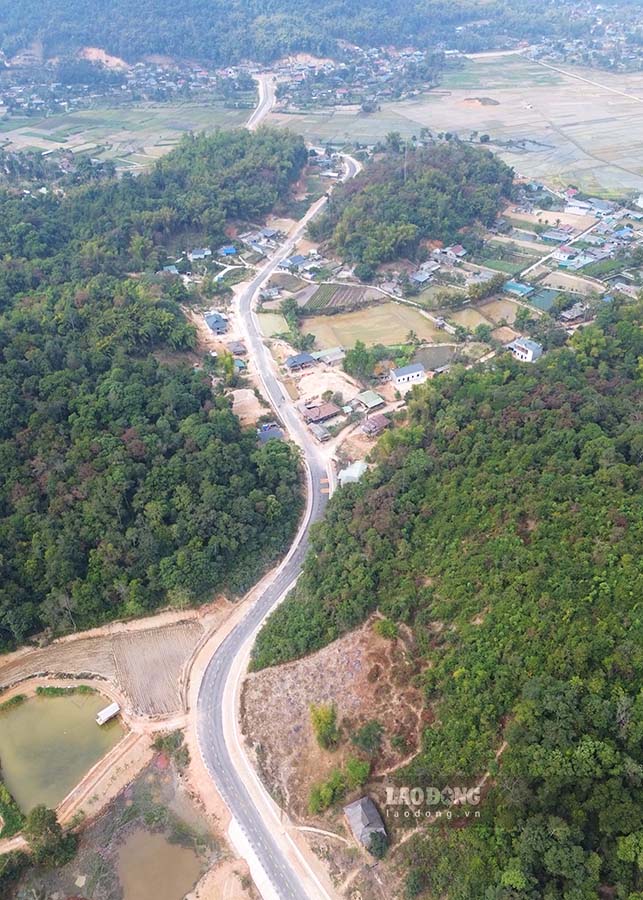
point(369, 400)
point(405, 377)
point(217, 323)
point(300, 361)
point(364, 821)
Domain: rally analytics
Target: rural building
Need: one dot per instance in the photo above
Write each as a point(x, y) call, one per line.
point(420, 277)
point(237, 348)
point(108, 713)
point(170, 270)
point(199, 253)
point(269, 432)
point(577, 311)
point(300, 361)
point(322, 434)
point(352, 473)
point(364, 821)
point(407, 376)
point(369, 400)
point(270, 293)
point(525, 349)
point(517, 288)
point(292, 262)
point(455, 252)
point(330, 357)
point(320, 412)
point(228, 250)
point(217, 323)
point(375, 424)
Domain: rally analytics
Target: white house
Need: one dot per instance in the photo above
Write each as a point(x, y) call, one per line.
point(525, 349)
point(407, 376)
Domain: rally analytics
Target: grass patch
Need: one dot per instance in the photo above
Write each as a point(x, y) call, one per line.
point(64, 691)
point(11, 816)
point(17, 700)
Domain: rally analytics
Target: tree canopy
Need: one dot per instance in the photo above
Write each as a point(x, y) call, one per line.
point(227, 32)
point(401, 198)
point(504, 525)
point(127, 482)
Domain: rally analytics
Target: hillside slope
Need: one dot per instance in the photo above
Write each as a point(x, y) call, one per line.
point(504, 523)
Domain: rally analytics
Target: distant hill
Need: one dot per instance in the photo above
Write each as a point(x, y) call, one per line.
point(226, 32)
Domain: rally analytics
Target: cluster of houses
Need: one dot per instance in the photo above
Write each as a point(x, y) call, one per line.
point(261, 240)
point(303, 264)
point(362, 76)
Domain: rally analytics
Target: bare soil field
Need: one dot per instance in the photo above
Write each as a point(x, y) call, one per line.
point(246, 406)
point(563, 281)
point(145, 665)
point(365, 676)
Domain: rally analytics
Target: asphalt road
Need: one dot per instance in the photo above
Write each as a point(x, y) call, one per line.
point(215, 688)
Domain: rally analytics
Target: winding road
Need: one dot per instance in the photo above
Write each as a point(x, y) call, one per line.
point(260, 831)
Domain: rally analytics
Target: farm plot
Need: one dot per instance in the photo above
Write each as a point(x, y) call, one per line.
point(550, 125)
point(144, 664)
point(386, 323)
point(340, 296)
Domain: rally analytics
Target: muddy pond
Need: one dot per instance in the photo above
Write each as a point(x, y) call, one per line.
point(47, 744)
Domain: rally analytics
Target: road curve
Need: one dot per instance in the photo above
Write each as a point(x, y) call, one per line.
point(217, 691)
point(266, 85)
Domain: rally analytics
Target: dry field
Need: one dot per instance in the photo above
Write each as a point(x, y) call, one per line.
point(547, 124)
point(146, 665)
point(133, 136)
point(387, 323)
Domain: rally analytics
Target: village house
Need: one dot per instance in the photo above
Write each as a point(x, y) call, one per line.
point(300, 361)
point(525, 350)
point(403, 379)
point(364, 821)
point(577, 311)
point(217, 323)
point(375, 425)
point(369, 400)
point(199, 253)
point(331, 357)
point(320, 412)
point(237, 348)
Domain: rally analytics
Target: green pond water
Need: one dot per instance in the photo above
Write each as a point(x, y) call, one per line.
point(149, 866)
point(47, 744)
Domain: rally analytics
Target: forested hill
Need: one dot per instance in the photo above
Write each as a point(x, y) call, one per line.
point(126, 484)
point(193, 193)
point(227, 31)
point(505, 524)
point(409, 194)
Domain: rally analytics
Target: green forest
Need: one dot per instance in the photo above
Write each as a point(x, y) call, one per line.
point(127, 483)
point(408, 194)
point(129, 224)
point(503, 523)
point(226, 32)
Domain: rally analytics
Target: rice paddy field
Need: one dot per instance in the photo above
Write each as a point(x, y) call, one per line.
point(565, 125)
point(387, 323)
point(133, 136)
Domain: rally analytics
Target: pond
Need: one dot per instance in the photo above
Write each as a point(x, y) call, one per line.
point(150, 866)
point(47, 744)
